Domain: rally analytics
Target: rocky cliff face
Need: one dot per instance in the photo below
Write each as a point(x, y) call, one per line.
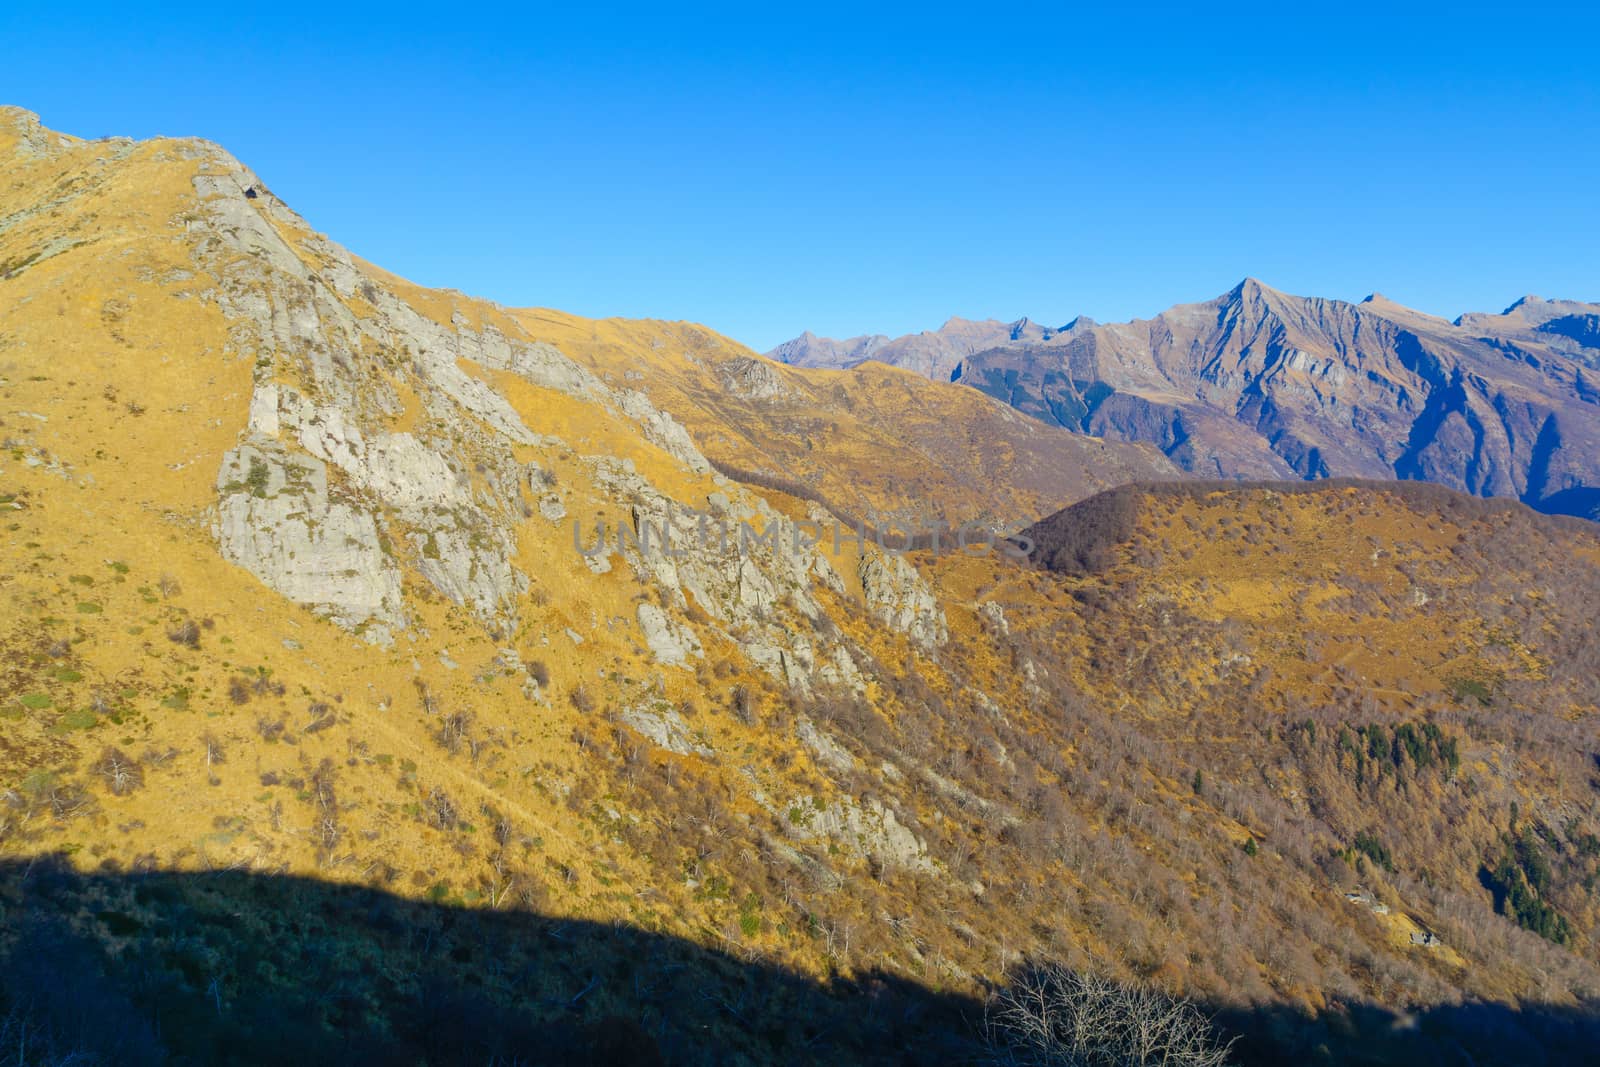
point(410, 481)
point(1261, 384)
point(332, 506)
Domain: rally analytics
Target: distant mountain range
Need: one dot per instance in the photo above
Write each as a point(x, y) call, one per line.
point(1258, 383)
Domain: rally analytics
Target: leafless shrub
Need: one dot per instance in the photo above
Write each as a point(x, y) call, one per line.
point(63, 800)
point(238, 691)
point(325, 831)
point(322, 717)
point(1052, 1015)
point(170, 586)
point(743, 704)
point(540, 673)
point(269, 729)
point(441, 810)
point(121, 772)
point(454, 731)
point(582, 699)
point(214, 755)
point(264, 685)
point(186, 633)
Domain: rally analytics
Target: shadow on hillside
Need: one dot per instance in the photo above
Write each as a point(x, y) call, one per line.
point(228, 967)
point(236, 968)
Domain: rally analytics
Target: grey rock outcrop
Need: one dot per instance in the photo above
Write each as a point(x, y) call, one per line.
point(828, 752)
point(671, 643)
point(896, 594)
point(868, 829)
point(751, 379)
point(663, 726)
point(276, 520)
point(324, 388)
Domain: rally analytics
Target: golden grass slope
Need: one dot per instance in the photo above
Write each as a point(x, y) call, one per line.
point(1408, 593)
point(873, 441)
point(124, 630)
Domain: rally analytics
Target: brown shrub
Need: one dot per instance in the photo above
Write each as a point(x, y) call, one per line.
point(121, 772)
point(186, 633)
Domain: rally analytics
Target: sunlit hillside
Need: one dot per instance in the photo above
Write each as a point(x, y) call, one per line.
point(326, 731)
point(875, 442)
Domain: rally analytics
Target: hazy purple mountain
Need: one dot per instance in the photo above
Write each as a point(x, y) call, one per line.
point(1259, 383)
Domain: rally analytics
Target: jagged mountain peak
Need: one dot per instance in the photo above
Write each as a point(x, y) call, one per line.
point(1382, 306)
point(810, 350)
point(1523, 301)
point(1540, 319)
point(957, 324)
point(1262, 383)
point(1251, 287)
point(1253, 291)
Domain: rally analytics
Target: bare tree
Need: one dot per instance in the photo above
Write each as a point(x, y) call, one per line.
point(186, 633)
point(214, 754)
point(454, 731)
point(1052, 1015)
point(121, 772)
point(325, 831)
point(441, 810)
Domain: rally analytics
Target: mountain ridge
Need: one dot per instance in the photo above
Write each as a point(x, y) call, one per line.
point(1258, 383)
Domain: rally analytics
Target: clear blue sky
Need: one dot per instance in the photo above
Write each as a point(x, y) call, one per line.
point(767, 169)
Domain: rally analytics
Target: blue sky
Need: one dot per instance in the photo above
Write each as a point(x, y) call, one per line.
point(771, 169)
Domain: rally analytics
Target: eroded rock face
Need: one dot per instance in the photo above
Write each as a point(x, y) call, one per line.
point(672, 644)
point(900, 599)
point(276, 520)
point(663, 726)
point(751, 379)
point(329, 343)
point(34, 141)
point(743, 566)
point(823, 747)
point(663, 430)
point(869, 829)
point(467, 557)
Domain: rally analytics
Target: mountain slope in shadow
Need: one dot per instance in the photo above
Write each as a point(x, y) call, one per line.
point(233, 968)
